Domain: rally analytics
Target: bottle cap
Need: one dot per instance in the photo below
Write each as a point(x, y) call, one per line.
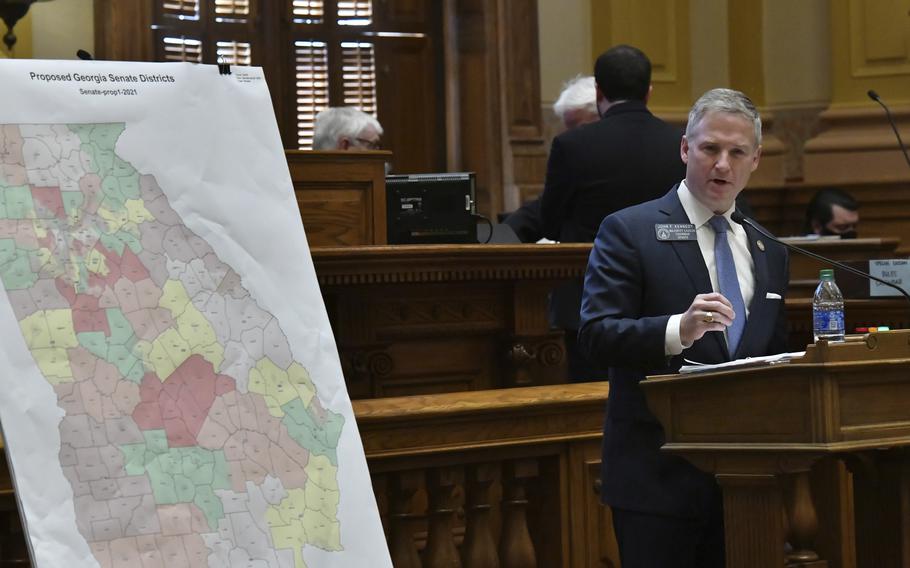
point(861, 330)
point(826, 274)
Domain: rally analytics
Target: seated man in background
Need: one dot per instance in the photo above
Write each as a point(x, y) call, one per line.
point(576, 105)
point(346, 128)
point(832, 211)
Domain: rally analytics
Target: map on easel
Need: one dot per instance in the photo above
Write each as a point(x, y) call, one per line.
point(174, 378)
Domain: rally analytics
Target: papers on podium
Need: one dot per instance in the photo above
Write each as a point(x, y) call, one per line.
point(696, 367)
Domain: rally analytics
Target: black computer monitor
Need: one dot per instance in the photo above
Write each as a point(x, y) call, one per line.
point(430, 208)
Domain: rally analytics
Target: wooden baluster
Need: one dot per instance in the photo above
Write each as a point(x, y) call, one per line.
point(402, 487)
point(478, 549)
point(516, 550)
point(441, 551)
point(802, 522)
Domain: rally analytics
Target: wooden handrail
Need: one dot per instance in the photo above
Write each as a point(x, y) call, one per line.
point(465, 421)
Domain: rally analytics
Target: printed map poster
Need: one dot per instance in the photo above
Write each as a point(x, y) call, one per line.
point(170, 390)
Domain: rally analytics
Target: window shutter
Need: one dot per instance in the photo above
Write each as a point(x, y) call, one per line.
point(355, 12)
point(232, 8)
point(182, 49)
point(233, 52)
point(312, 80)
point(181, 9)
point(316, 54)
point(308, 11)
point(359, 75)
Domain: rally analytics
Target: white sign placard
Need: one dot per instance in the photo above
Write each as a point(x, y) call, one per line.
point(895, 271)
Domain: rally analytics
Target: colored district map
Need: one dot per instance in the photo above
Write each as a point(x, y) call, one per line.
point(190, 434)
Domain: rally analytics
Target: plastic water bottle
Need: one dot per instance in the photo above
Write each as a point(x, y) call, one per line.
point(828, 309)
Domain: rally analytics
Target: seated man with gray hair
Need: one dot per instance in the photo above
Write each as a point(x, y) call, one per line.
point(346, 128)
point(577, 103)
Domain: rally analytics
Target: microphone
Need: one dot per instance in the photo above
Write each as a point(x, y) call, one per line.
point(743, 220)
point(84, 55)
point(874, 96)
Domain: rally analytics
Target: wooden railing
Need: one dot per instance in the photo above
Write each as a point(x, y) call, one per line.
point(502, 478)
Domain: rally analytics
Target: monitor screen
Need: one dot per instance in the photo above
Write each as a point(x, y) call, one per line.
point(431, 208)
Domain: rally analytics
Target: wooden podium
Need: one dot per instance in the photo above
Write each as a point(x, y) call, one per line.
point(761, 430)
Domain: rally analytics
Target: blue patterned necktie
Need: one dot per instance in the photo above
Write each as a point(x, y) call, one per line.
point(727, 281)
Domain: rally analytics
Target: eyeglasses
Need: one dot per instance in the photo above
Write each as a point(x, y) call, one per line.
point(368, 144)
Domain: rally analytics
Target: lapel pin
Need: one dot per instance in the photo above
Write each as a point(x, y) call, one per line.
point(760, 245)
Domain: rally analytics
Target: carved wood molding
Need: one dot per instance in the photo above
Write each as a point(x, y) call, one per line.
point(344, 266)
point(865, 128)
point(794, 127)
point(404, 317)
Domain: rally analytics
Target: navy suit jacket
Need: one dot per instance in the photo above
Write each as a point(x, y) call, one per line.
point(633, 284)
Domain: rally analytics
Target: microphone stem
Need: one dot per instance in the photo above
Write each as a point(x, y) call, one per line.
point(894, 128)
point(840, 265)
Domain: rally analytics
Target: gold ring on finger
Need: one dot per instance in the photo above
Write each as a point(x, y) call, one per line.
point(709, 317)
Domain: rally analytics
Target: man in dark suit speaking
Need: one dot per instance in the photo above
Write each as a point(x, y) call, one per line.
point(671, 278)
point(629, 156)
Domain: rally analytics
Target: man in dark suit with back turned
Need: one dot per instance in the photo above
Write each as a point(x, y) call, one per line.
point(673, 278)
point(629, 156)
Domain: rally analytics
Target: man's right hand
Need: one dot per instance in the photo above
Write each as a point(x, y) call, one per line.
point(708, 312)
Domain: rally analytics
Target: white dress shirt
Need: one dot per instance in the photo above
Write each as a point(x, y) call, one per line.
point(699, 215)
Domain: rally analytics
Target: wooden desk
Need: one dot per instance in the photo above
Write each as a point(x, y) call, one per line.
point(804, 270)
point(341, 196)
point(420, 319)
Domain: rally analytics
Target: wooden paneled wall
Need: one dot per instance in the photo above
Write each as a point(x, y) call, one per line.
point(494, 71)
point(123, 30)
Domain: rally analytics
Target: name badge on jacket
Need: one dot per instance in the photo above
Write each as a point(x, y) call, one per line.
point(675, 231)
